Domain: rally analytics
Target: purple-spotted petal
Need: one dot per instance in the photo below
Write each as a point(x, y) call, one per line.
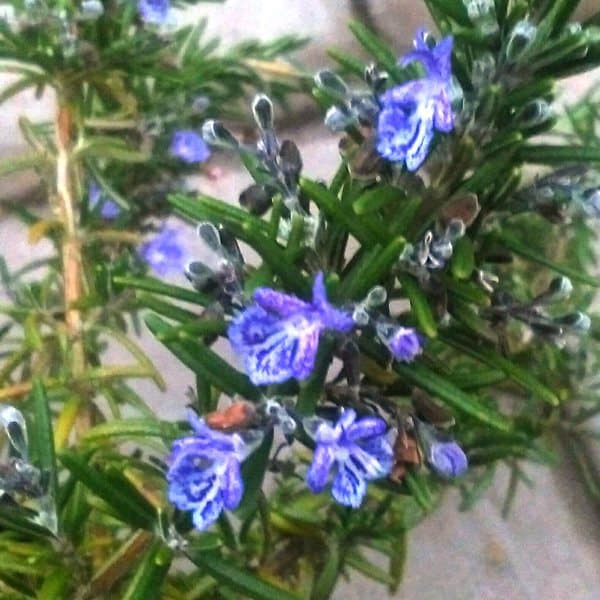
point(346, 421)
point(381, 450)
point(232, 486)
point(349, 488)
point(417, 150)
point(206, 514)
point(191, 489)
point(318, 472)
point(365, 464)
point(289, 352)
point(252, 327)
point(284, 305)
point(326, 434)
point(308, 344)
point(366, 427)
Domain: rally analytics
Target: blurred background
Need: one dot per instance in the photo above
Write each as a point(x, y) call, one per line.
point(549, 547)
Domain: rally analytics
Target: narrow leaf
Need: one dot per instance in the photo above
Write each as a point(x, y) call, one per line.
point(419, 305)
point(150, 575)
point(480, 350)
point(234, 577)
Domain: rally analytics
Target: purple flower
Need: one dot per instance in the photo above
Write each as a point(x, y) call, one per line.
point(447, 459)
point(108, 208)
point(164, 252)
point(359, 449)
point(189, 147)
point(278, 335)
point(403, 342)
point(204, 472)
point(412, 111)
point(153, 11)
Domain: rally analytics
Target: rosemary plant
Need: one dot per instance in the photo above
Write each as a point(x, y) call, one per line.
point(419, 319)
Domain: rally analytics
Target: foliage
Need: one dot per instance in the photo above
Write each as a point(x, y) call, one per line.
point(490, 351)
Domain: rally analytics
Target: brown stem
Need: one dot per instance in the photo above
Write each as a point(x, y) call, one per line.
point(71, 246)
point(71, 251)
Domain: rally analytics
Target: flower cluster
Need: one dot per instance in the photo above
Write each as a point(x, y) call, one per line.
point(278, 335)
point(204, 472)
point(411, 112)
point(357, 449)
point(404, 117)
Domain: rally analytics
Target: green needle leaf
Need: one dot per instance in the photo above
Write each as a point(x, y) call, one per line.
point(230, 574)
point(481, 352)
point(150, 574)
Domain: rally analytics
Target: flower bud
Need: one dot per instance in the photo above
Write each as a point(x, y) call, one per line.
point(262, 109)
point(403, 342)
point(447, 459)
point(256, 199)
point(216, 134)
point(337, 119)
point(332, 83)
point(520, 39)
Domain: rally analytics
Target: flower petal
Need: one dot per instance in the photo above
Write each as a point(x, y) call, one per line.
point(346, 420)
point(318, 472)
point(418, 147)
point(284, 305)
point(232, 485)
point(319, 294)
point(380, 449)
point(206, 514)
point(251, 327)
point(290, 352)
point(368, 465)
point(348, 488)
point(366, 427)
point(443, 56)
point(304, 362)
point(193, 491)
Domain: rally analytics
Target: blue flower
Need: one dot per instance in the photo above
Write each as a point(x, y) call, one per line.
point(403, 342)
point(278, 336)
point(189, 147)
point(204, 472)
point(108, 208)
point(412, 111)
point(447, 459)
point(153, 11)
point(164, 252)
point(359, 449)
